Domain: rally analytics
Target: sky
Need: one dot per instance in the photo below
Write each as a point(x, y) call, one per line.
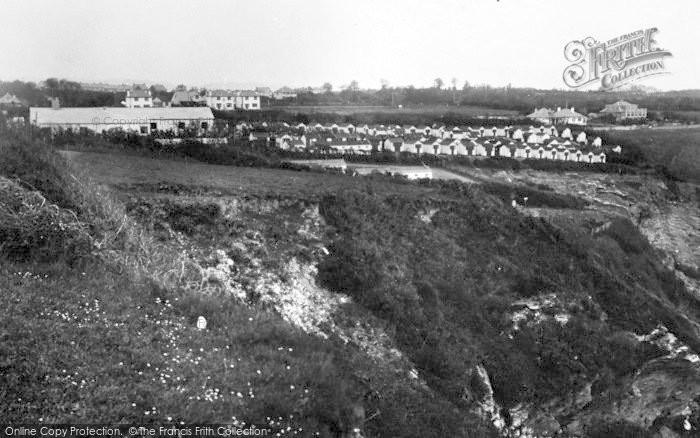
point(309, 42)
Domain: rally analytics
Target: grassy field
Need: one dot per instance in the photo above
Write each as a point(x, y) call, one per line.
point(468, 111)
point(135, 171)
point(676, 149)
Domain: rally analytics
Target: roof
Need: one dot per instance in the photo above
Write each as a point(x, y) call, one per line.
point(247, 93)
point(91, 116)
point(285, 90)
point(220, 93)
point(185, 96)
point(566, 112)
point(619, 106)
point(138, 93)
point(10, 98)
point(541, 113)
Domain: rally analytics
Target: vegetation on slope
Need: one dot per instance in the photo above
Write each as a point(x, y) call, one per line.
point(103, 331)
point(448, 274)
point(674, 149)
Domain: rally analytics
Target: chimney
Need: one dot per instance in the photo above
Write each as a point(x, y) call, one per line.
point(572, 108)
point(55, 104)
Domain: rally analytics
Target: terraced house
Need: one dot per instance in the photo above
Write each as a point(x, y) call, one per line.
point(247, 100)
point(220, 99)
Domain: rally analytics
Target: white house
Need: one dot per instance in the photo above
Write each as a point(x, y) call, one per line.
point(220, 99)
point(138, 99)
point(568, 116)
point(247, 100)
point(284, 93)
point(479, 150)
point(542, 115)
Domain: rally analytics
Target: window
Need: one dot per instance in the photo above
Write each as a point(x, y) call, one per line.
point(181, 125)
point(205, 125)
point(228, 105)
point(144, 129)
point(154, 126)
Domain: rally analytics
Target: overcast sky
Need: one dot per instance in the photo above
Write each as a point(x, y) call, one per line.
point(309, 42)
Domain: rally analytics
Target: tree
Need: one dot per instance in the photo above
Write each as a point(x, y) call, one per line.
point(52, 83)
point(327, 87)
point(466, 85)
point(454, 83)
point(438, 83)
point(385, 84)
point(354, 86)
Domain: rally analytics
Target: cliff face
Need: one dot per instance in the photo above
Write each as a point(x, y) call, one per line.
point(539, 320)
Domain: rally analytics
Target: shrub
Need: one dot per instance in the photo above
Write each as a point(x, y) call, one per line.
point(38, 168)
point(33, 228)
point(626, 234)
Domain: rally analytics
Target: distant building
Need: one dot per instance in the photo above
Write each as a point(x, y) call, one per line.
point(562, 116)
point(542, 115)
point(10, 100)
point(622, 110)
point(285, 93)
point(264, 91)
point(247, 100)
point(138, 98)
point(187, 98)
point(140, 120)
point(104, 87)
point(220, 99)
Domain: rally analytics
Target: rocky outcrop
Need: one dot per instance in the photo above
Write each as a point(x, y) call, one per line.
point(486, 406)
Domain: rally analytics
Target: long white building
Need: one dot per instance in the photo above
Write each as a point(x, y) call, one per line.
point(141, 120)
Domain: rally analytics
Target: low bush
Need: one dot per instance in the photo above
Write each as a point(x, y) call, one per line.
point(33, 228)
point(38, 168)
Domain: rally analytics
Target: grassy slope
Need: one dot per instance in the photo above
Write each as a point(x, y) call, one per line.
point(677, 149)
point(458, 266)
point(82, 346)
point(97, 341)
point(448, 300)
point(125, 170)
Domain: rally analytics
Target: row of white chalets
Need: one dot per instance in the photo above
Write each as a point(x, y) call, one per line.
point(544, 142)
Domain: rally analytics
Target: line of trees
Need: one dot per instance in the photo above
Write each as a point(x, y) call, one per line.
point(523, 100)
point(676, 105)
